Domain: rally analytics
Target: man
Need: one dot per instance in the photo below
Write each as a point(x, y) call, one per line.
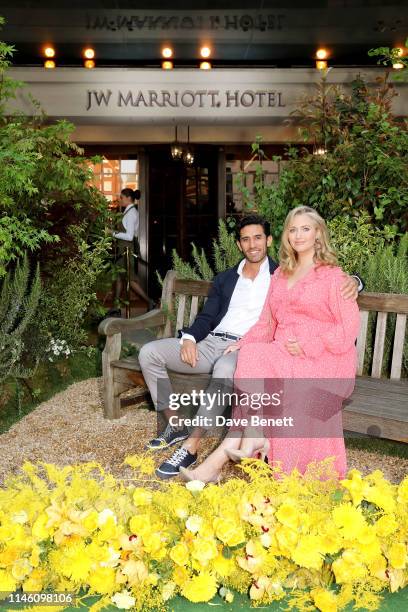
point(233, 306)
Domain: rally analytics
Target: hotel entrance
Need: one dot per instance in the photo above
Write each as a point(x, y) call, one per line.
point(182, 206)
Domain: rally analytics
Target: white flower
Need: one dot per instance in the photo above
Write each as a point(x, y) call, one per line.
point(193, 523)
point(168, 590)
point(104, 515)
point(181, 512)
point(112, 559)
point(266, 540)
point(195, 485)
point(20, 517)
point(123, 600)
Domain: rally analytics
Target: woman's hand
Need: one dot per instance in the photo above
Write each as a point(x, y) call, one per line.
point(231, 348)
point(293, 347)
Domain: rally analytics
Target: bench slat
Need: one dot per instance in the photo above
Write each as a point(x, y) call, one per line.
point(383, 302)
point(379, 344)
point(180, 312)
point(192, 287)
point(362, 341)
point(398, 349)
point(193, 309)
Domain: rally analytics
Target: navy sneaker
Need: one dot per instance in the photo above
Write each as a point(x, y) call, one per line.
point(180, 458)
point(169, 437)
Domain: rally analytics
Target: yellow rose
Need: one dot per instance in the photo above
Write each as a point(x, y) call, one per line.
point(228, 532)
point(179, 554)
point(180, 576)
point(349, 567)
point(288, 514)
point(200, 588)
point(397, 555)
point(140, 524)
point(204, 550)
point(152, 542)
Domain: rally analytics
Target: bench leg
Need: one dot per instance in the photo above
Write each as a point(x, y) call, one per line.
point(111, 409)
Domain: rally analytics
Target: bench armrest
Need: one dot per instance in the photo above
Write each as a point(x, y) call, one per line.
point(114, 325)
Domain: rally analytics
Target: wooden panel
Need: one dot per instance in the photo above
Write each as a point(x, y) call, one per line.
point(131, 363)
point(375, 426)
point(398, 349)
point(362, 340)
point(193, 309)
point(192, 287)
point(180, 312)
point(379, 344)
point(167, 303)
point(384, 302)
point(128, 378)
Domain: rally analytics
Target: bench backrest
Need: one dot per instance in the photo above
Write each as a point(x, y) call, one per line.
point(374, 307)
point(384, 304)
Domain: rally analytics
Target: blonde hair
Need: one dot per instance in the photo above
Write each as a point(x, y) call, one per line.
point(324, 254)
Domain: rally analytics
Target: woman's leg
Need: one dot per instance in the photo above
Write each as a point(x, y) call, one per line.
point(211, 467)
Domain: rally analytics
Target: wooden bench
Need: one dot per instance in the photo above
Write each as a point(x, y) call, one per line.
point(378, 406)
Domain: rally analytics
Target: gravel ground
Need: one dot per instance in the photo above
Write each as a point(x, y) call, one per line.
point(70, 428)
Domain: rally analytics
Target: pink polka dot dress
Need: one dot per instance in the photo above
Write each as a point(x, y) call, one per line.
point(326, 326)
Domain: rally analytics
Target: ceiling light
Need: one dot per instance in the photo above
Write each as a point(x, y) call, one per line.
point(321, 64)
point(322, 54)
point(49, 64)
point(205, 66)
point(205, 51)
point(49, 52)
point(167, 65)
point(89, 63)
point(167, 52)
point(89, 53)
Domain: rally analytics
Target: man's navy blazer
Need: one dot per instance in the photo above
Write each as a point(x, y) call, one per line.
point(217, 302)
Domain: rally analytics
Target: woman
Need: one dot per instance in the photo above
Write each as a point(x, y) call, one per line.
point(306, 331)
point(125, 238)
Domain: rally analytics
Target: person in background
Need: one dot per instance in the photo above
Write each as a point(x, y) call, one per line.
point(126, 239)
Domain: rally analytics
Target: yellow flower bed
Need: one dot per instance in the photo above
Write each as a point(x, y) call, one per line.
point(323, 542)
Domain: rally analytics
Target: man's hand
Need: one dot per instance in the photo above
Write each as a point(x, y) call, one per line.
point(231, 348)
point(349, 289)
point(293, 347)
point(189, 353)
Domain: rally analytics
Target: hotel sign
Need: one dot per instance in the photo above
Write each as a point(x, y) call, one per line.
point(188, 98)
point(130, 96)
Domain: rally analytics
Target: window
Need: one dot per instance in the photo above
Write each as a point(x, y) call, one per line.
point(113, 175)
point(234, 201)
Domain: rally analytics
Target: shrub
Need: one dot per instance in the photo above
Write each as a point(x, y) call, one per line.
point(19, 299)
